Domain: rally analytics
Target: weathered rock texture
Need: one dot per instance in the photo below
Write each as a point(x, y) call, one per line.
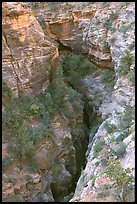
point(95, 30)
point(27, 54)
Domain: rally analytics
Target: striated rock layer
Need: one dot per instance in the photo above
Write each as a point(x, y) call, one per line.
point(102, 32)
point(27, 54)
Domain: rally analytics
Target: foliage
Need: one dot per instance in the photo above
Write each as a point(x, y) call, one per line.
point(33, 167)
point(123, 28)
point(126, 118)
point(34, 108)
point(93, 178)
point(42, 130)
point(131, 77)
point(125, 62)
point(6, 162)
point(24, 146)
point(103, 194)
point(107, 24)
point(64, 96)
point(43, 107)
point(119, 149)
point(122, 177)
point(68, 197)
point(104, 161)
point(12, 180)
point(122, 136)
point(28, 178)
point(98, 147)
point(75, 67)
point(18, 198)
point(112, 16)
point(54, 5)
point(110, 127)
point(41, 21)
point(107, 76)
point(6, 91)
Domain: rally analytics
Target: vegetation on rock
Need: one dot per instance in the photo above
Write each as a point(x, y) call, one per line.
point(122, 178)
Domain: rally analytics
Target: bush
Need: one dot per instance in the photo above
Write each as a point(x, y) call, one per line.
point(113, 16)
point(126, 118)
point(103, 194)
point(12, 180)
point(107, 76)
point(125, 63)
point(119, 149)
point(33, 167)
point(24, 146)
point(34, 108)
point(98, 147)
point(110, 127)
point(18, 198)
point(121, 137)
point(75, 67)
point(124, 28)
point(43, 130)
point(122, 177)
point(6, 162)
point(131, 77)
point(68, 197)
point(6, 91)
point(107, 24)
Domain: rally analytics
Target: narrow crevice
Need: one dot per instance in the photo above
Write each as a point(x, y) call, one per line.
point(62, 47)
point(81, 145)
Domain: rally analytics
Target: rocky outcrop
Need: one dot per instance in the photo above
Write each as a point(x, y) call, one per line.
point(75, 29)
point(113, 107)
point(27, 54)
point(103, 32)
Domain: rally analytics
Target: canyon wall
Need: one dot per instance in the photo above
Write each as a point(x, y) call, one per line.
point(104, 33)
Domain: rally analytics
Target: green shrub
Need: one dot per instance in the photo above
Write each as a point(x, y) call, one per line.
point(41, 21)
point(24, 146)
point(28, 178)
point(98, 147)
point(113, 16)
point(122, 177)
point(103, 194)
point(18, 198)
point(125, 62)
point(104, 161)
point(119, 149)
point(126, 118)
point(122, 136)
point(110, 127)
point(131, 77)
point(75, 67)
point(113, 29)
point(124, 28)
point(6, 162)
point(107, 76)
point(43, 130)
point(34, 108)
point(68, 197)
point(107, 24)
point(6, 91)
point(33, 167)
point(12, 180)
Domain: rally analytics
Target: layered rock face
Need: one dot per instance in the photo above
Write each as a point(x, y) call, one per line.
point(103, 32)
point(27, 54)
